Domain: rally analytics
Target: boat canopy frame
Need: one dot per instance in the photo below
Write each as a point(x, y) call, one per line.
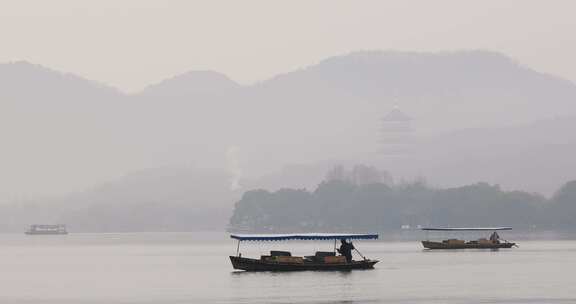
point(465, 228)
point(302, 237)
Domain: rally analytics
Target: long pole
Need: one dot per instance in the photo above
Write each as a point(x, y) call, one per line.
point(238, 249)
point(360, 253)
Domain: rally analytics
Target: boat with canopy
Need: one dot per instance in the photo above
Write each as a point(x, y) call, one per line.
point(493, 242)
point(284, 261)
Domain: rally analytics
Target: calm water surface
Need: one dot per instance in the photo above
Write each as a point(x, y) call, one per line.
point(194, 268)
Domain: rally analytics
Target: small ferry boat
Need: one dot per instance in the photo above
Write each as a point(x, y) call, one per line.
point(284, 261)
point(47, 229)
point(493, 242)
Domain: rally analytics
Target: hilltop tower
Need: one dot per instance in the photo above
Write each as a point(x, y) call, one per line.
point(395, 133)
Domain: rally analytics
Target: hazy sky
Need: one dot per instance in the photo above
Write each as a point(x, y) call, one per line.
point(133, 43)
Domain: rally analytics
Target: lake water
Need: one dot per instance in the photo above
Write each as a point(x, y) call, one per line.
point(194, 268)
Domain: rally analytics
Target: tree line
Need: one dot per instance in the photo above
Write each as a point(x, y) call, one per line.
point(343, 205)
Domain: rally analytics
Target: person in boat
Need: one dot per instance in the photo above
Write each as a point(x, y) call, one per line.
point(346, 250)
point(495, 238)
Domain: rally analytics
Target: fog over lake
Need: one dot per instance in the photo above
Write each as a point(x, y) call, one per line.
point(136, 136)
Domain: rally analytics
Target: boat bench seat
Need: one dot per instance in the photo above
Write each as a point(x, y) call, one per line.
point(280, 253)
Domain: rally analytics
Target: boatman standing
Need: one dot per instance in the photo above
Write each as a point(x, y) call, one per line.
point(495, 238)
point(346, 250)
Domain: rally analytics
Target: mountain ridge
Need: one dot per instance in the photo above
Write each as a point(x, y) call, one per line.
point(364, 56)
point(190, 82)
point(22, 70)
point(330, 110)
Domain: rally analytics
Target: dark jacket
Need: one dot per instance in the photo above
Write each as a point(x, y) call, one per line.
point(346, 250)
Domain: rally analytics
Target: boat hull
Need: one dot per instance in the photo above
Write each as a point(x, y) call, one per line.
point(45, 233)
point(441, 245)
point(259, 265)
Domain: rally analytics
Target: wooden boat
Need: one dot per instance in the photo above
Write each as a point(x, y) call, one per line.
point(283, 261)
point(259, 265)
point(47, 230)
point(493, 243)
point(466, 245)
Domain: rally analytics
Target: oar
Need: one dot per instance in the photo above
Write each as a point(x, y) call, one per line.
point(360, 253)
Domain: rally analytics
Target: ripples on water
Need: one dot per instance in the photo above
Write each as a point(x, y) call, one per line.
point(172, 268)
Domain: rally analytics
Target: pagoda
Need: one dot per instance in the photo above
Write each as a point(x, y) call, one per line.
point(395, 133)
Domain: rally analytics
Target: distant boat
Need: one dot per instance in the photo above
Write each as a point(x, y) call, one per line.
point(284, 261)
point(493, 243)
point(47, 229)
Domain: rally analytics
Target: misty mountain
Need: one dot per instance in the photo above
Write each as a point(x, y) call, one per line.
point(441, 91)
point(189, 84)
point(58, 130)
point(533, 157)
point(536, 157)
point(24, 82)
point(63, 133)
point(161, 199)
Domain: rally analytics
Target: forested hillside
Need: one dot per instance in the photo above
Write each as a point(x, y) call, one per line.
point(340, 205)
